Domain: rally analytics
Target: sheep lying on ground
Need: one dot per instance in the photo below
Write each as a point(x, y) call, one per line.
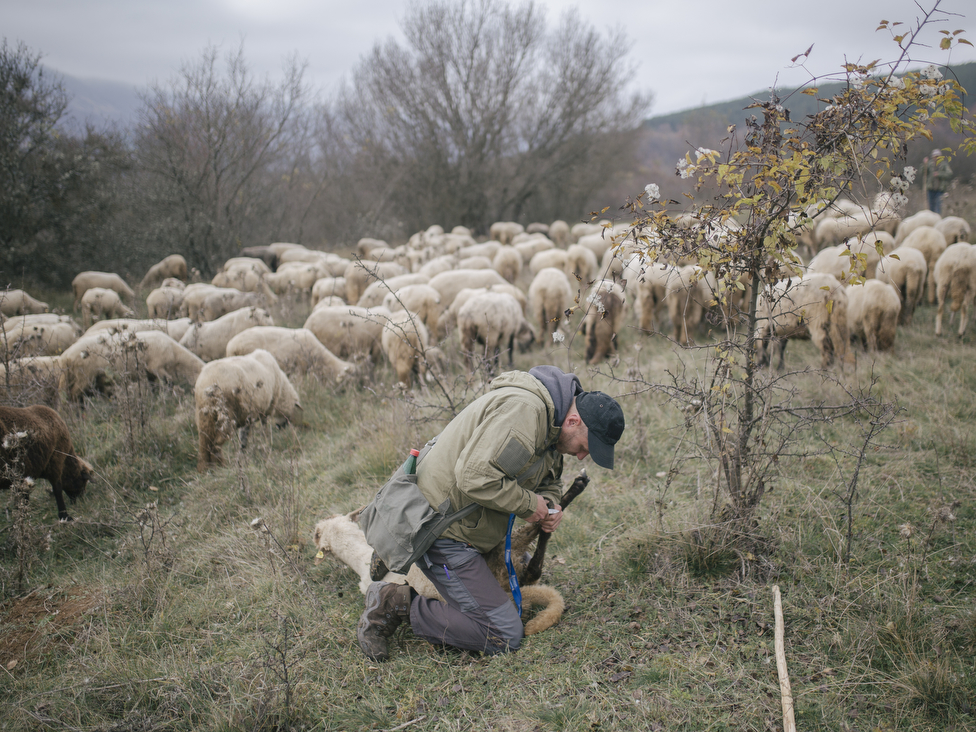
point(297, 351)
point(36, 444)
point(549, 296)
point(604, 319)
point(235, 392)
point(955, 279)
point(18, 302)
point(931, 243)
point(798, 308)
point(873, 309)
point(404, 341)
point(489, 323)
point(209, 340)
point(906, 271)
point(953, 228)
point(108, 280)
point(172, 266)
point(101, 303)
point(349, 331)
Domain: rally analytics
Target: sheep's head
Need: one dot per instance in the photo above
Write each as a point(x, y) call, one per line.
point(75, 477)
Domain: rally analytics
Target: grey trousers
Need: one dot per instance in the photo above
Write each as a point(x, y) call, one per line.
point(478, 614)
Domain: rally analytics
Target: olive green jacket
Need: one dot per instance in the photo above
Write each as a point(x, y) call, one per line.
point(498, 452)
point(937, 175)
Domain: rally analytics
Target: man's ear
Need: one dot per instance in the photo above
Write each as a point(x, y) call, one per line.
point(572, 420)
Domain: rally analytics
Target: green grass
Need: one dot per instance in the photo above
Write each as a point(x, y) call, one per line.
point(193, 619)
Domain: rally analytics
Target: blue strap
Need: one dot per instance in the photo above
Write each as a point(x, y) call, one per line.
point(512, 579)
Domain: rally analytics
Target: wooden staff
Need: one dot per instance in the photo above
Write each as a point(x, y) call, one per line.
point(789, 724)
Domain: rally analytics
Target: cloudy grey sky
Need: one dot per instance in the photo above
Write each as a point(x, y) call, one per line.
point(687, 53)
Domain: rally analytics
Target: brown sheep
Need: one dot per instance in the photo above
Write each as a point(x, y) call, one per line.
point(36, 444)
point(235, 392)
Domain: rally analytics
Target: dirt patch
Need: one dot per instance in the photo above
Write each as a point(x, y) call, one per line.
point(28, 623)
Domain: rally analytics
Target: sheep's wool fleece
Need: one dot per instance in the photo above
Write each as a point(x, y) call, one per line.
point(498, 452)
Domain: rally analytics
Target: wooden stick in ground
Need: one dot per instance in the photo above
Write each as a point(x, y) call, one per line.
point(789, 724)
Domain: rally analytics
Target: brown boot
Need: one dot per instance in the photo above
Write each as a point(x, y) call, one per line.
point(377, 568)
point(387, 605)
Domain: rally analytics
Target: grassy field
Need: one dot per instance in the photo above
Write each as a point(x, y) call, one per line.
point(161, 607)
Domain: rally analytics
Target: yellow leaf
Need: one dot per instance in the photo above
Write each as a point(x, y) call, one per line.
point(945, 44)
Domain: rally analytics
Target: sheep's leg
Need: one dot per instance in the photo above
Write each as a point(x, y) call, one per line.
point(940, 311)
point(533, 569)
point(59, 499)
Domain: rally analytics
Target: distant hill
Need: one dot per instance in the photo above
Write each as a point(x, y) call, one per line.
point(101, 102)
point(800, 105)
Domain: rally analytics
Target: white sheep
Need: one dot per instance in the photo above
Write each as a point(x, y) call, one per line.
point(931, 243)
point(84, 281)
point(375, 292)
point(451, 283)
point(175, 329)
point(687, 296)
point(18, 302)
point(651, 282)
point(235, 392)
point(532, 246)
point(421, 299)
point(559, 233)
point(297, 351)
point(813, 306)
point(34, 379)
point(165, 302)
point(360, 274)
point(954, 229)
point(556, 258)
point(905, 269)
point(476, 262)
point(405, 341)
point(955, 279)
point(910, 223)
point(489, 323)
point(209, 339)
point(435, 265)
point(505, 231)
point(605, 314)
point(834, 231)
point(25, 336)
point(172, 266)
point(582, 264)
point(332, 301)
point(244, 278)
point(101, 303)
point(508, 263)
point(349, 331)
point(873, 309)
point(486, 249)
point(549, 296)
point(597, 243)
point(218, 304)
point(328, 287)
point(194, 295)
point(253, 264)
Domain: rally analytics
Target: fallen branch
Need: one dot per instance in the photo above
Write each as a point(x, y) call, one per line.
point(789, 724)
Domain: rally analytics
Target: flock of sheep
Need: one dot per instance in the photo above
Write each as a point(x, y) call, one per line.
point(519, 287)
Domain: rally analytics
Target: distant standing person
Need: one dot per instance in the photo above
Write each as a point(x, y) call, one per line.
point(936, 178)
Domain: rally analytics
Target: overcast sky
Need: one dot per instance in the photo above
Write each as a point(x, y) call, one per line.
point(687, 53)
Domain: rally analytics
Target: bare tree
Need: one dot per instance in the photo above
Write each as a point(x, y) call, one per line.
point(486, 113)
point(220, 145)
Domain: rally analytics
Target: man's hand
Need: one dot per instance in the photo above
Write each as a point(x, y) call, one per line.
point(547, 521)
